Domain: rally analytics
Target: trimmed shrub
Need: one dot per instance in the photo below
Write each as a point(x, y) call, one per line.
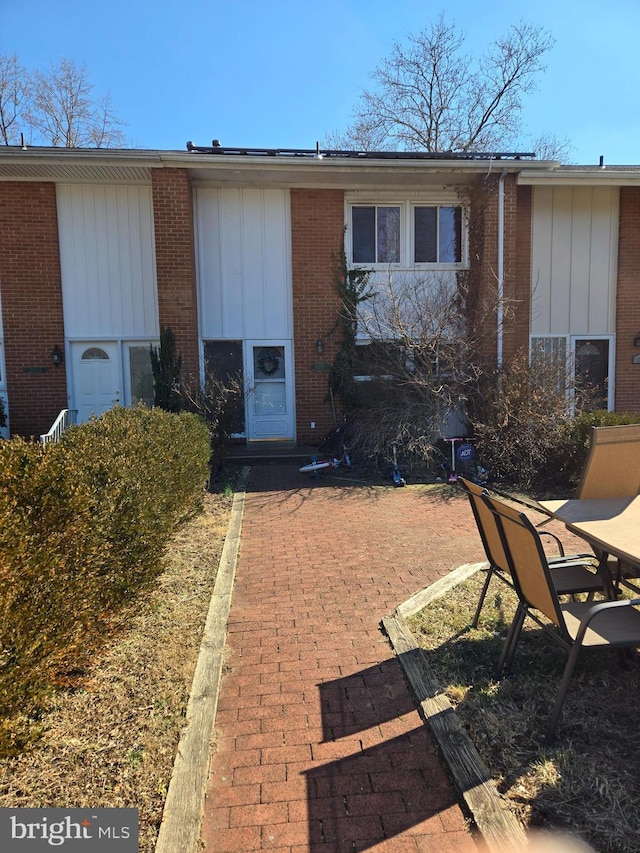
point(83, 527)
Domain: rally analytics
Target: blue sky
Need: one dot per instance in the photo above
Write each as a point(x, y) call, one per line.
point(283, 75)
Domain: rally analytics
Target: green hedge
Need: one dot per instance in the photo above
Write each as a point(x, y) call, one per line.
point(83, 528)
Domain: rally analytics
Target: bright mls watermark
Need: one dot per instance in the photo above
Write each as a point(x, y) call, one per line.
point(73, 830)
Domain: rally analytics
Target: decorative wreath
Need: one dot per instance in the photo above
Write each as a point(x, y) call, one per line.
point(268, 361)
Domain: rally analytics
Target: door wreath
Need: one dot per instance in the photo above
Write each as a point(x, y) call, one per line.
point(268, 361)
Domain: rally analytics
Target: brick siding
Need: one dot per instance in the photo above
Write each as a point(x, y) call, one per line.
point(317, 238)
point(484, 268)
point(175, 262)
point(31, 290)
point(519, 288)
point(628, 302)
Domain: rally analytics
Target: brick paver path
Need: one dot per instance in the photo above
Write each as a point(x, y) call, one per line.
point(319, 745)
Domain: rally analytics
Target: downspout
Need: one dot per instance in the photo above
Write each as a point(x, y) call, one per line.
point(500, 308)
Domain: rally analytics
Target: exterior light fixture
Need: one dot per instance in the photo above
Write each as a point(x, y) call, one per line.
point(636, 340)
point(319, 346)
point(56, 356)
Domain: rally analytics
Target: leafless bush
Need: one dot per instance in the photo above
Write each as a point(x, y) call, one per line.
point(521, 415)
point(219, 401)
point(415, 365)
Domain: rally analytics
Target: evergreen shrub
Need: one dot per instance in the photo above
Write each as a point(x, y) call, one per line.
point(83, 528)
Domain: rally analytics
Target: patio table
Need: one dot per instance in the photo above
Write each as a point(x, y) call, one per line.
point(610, 525)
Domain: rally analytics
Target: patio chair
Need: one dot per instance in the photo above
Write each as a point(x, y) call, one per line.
point(612, 467)
point(611, 470)
point(572, 574)
point(578, 625)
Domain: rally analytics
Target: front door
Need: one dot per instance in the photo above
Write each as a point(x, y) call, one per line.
point(269, 376)
point(97, 378)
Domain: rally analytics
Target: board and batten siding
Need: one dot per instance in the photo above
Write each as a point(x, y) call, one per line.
point(574, 260)
point(107, 259)
point(244, 263)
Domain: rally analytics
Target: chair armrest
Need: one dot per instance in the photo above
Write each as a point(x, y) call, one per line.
point(594, 611)
point(553, 536)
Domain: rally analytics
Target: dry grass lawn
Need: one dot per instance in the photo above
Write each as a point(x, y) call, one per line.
point(110, 739)
point(588, 782)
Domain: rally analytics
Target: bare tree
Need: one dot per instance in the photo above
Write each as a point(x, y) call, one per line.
point(63, 112)
point(429, 95)
point(15, 91)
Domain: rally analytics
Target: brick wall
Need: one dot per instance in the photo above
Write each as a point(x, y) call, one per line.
point(519, 205)
point(628, 302)
point(175, 262)
point(317, 238)
point(483, 237)
point(30, 286)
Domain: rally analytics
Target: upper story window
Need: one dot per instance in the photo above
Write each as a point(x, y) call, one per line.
point(376, 234)
point(407, 234)
point(437, 235)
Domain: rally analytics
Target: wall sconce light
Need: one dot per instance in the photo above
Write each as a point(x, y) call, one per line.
point(319, 346)
point(56, 356)
point(636, 340)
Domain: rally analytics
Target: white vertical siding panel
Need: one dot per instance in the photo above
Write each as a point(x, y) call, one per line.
point(96, 283)
point(561, 261)
point(253, 264)
point(542, 227)
point(146, 267)
point(129, 263)
point(574, 260)
point(243, 253)
point(232, 281)
point(207, 206)
point(108, 261)
point(580, 249)
point(113, 255)
point(604, 237)
point(277, 265)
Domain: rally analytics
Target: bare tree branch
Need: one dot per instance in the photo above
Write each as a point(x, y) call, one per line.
point(429, 95)
point(63, 112)
point(15, 88)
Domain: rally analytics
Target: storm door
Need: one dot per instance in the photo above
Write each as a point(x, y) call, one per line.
point(269, 396)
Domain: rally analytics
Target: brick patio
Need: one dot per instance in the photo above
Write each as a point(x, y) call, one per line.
point(319, 745)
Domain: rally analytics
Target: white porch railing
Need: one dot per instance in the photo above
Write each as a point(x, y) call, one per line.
point(64, 419)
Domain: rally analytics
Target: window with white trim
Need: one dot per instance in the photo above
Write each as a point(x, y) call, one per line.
point(407, 234)
point(376, 234)
point(584, 362)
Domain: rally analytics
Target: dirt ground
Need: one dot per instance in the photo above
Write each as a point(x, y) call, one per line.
point(109, 740)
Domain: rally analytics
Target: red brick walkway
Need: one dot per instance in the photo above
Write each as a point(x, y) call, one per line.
point(319, 744)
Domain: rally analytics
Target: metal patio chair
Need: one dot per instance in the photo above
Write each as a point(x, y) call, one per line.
point(611, 470)
point(612, 467)
point(572, 574)
point(578, 625)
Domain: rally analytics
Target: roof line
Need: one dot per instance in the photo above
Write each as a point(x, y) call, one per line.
point(317, 152)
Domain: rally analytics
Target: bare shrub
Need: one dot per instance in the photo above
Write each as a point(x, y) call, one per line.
point(219, 401)
point(414, 366)
point(520, 417)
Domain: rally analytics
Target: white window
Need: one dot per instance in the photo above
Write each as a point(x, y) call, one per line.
point(376, 234)
point(589, 364)
point(407, 235)
point(437, 235)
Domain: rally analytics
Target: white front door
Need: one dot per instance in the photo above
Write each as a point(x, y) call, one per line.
point(269, 379)
point(97, 378)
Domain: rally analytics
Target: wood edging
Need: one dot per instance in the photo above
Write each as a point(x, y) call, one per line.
point(183, 808)
point(501, 831)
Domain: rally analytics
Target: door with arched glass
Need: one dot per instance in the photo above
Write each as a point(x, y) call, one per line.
point(96, 378)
